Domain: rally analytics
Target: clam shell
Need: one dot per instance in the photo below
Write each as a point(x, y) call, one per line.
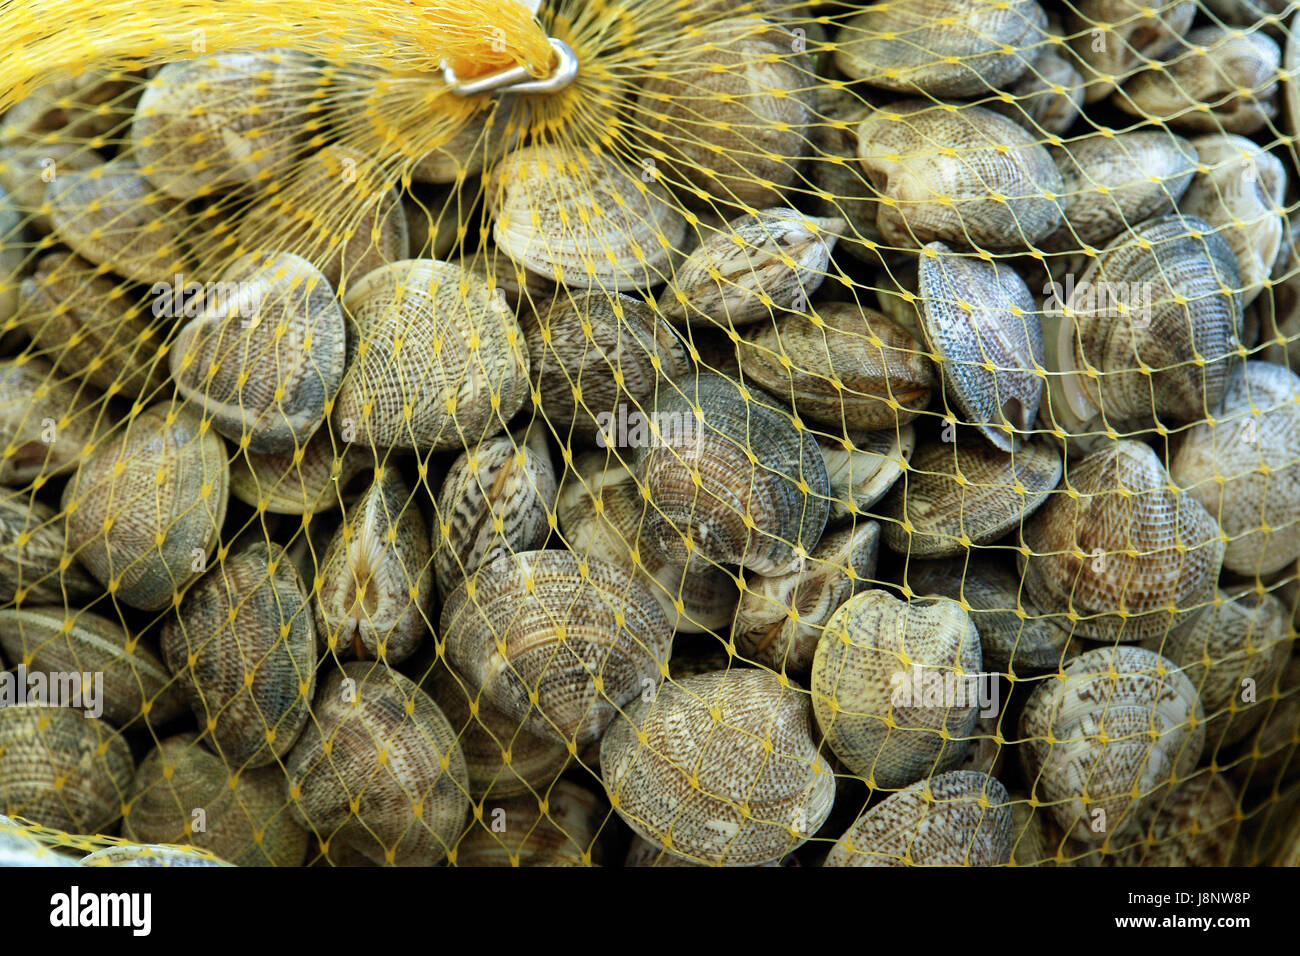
point(265, 370)
point(728, 773)
point(374, 589)
point(13, 256)
point(244, 818)
point(45, 422)
point(712, 495)
point(962, 495)
point(1271, 756)
point(980, 321)
point(1112, 38)
point(53, 640)
point(862, 468)
point(35, 567)
point(1273, 319)
point(310, 479)
point(1193, 824)
point(1047, 99)
point(779, 620)
point(78, 108)
point(558, 641)
point(150, 854)
point(144, 508)
point(1242, 466)
point(841, 189)
point(583, 219)
point(480, 143)
point(1120, 554)
point(876, 657)
point(960, 818)
point(378, 769)
point(1038, 841)
point(558, 827)
point(62, 769)
point(440, 364)
point(243, 646)
point(26, 167)
point(520, 286)
point(756, 265)
point(1119, 726)
point(844, 367)
point(966, 176)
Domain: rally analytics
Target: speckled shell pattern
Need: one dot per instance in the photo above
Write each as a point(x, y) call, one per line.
point(33, 561)
point(1138, 34)
point(378, 769)
point(1194, 824)
point(557, 828)
point(559, 641)
point(877, 658)
point(763, 512)
point(288, 484)
point(1101, 743)
point(715, 743)
point(31, 398)
point(243, 646)
point(960, 818)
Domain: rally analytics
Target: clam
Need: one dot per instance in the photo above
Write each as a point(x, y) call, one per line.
point(243, 647)
point(557, 641)
point(720, 768)
point(1224, 80)
point(310, 479)
point(114, 217)
point(1149, 330)
point(19, 848)
point(1016, 637)
point(1046, 99)
point(225, 121)
point(962, 175)
point(600, 515)
point(62, 769)
point(1111, 38)
point(1120, 551)
point(755, 266)
point(378, 770)
point(941, 48)
point(780, 619)
point(374, 588)
point(1193, 824)
point(1271, 757)
point(844, 367)
point(502, 758)
point(729, 107)
point(498, 498)
point(979, 320)
point(583, 219)
point(841, 189)
point(1038, 841)
point(1250, 12)
point(1113, 180)
point(711, 494)
point(265, 366)
point(1273, 320)
point(184, 795)
point(593, 352)
point(26, 168)
point(54, 640)
point(891, 686)
point(478, 144)
point(74, 109)
point(45, 421)
point(35, 567)
point(434, 230)
point(145, 506)
point(85, 325)
point(13, 256)
point(440, 362)
point(862, 468)
point(960, 818)
point(521, 287)
point(557, 827)
point(1104, 739)
point(956, 496)
point(151, 854)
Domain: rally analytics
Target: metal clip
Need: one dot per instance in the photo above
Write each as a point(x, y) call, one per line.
point(517, 79)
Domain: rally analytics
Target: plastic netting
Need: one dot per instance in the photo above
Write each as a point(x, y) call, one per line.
point(823, 433)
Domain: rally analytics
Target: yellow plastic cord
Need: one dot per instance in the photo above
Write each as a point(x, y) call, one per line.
point(48, 40)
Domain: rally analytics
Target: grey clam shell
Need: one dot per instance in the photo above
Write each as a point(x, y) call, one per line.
point(33, 560)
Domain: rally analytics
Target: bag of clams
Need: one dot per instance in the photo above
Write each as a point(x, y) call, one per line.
point(649, 433)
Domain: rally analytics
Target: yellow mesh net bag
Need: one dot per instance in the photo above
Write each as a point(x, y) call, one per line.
point(648, 432)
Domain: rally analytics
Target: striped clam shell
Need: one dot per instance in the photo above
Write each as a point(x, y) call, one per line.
point(53, 640)
point(499, 271)
point(243, 818)
point(712, 495)
point(862, 468)
point(443, 363)
point(1103, 740)
point(965, 176)
point(145, 506)
point(35, 567)
point(243, 646)
point(1243, 468)
point(378, 769)
point(959, 495)
point(265, 369)
point(959, 818)
point(980, 321)
point(45, 421)
point(779, 619)
point(582, 218)
point(1121, 551)
point(558, 641)
point(876, 659)
point(375, 586)
point(843, 366)
point(558, 826)
point(700, 599)
point(310, 479)
point(62, 769)
point(729, 773)
point(1193, 824)
point(1113, 38)
point(1047, 98)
